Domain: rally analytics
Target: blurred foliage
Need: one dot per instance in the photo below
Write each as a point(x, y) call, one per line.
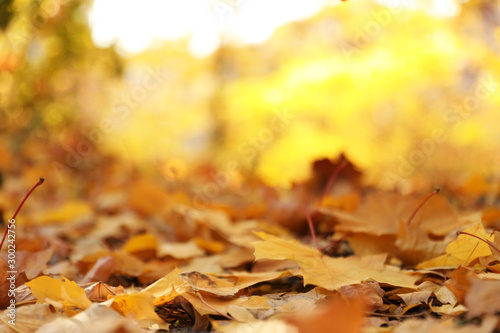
point(396, 90)
point(51, 74)
point(385, 85)
point(6, 13)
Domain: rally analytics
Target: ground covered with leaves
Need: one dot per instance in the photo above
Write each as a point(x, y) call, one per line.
point(131, 251)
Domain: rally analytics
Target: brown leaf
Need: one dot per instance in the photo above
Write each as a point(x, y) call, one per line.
point(415, 246)
point(369, 292)
point(482, 297)
point(381, 214)
point(101, 271)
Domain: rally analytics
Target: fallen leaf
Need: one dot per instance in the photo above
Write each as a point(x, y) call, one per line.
point(369, 292)
point(331, 273)
point(71, 211)
point(146, 197)
point(180, 250)
point(268, 326)
point(436, 326)
point(97, 318)
point(459, 282)
point(127, 263)
point(227, 284)
point(138, 306)
point(414, 245)
point(463, 251)
point(446, 296)
point(168, 284)
point(224, 304)
point(381, 214)
point(61, 290)
point(100, 292)
point(337, 315)
point(210, 246)
point(28, 318)
point(101, 271)
point(139, 243)
point(419, 297)
point(482, 297)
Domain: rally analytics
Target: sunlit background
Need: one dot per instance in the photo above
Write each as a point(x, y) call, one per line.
point(408, 90)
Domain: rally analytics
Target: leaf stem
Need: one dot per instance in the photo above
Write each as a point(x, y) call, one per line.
point(311, 228)
point(332, 178)
point(13, 219)
point(436, 191)
point(481, 239)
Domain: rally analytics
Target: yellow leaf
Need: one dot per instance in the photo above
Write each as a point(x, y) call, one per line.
point(147, 198)
point(164, 285)
point(180, 250)
point(227, 284)
point(140, 243)
point(68, 212)
point(138, 306)
point(62, 290)
point(211, 246)
point(330, 273)
point(463, 250)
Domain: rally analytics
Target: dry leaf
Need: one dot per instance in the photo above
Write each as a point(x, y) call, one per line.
point(419, 297)
point(227, 284)
point(139, 243)
point(435, 326)
point(180, 250)
point(166, 285)
point(224, 304)
point(29, 318)
point(331, 273)
point(146, 197)
point(483, 297)
point(71, 211)
point(464, 250)
point(102, 270)
point(381, 214)
point(138, 306)
point(63, 291)
point(414, 244)
point(337, 316)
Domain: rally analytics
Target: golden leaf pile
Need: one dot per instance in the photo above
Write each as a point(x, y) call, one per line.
point(142, 256)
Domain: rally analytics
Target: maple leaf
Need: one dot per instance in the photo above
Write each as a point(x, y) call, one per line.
point(381, 214)
point(327, 272)
point(463, 250)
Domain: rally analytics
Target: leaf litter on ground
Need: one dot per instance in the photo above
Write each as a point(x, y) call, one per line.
point(142, 256)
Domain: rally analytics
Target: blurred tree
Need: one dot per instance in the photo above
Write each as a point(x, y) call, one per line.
point(48, 64)
point(5, 13)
